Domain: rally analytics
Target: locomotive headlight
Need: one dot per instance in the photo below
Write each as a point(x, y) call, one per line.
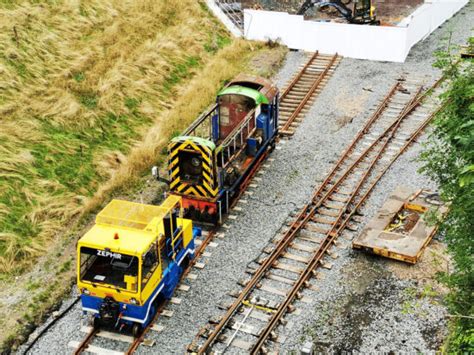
point(85, 291)
point(195, 162)
point(133, 301)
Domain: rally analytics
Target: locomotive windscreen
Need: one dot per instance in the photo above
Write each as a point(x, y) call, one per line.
point(106, 267)
point(190, 167)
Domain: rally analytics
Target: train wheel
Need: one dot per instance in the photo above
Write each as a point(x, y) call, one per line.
point(136, 330)
point(184, 265)
point(272, 146)
point(96, 323)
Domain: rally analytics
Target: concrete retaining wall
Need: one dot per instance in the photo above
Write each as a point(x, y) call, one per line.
point(382, 43)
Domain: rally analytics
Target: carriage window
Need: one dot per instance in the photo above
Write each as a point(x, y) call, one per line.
point(109, 269)
point(149, 264)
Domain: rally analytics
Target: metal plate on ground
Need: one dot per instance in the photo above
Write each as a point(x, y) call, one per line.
point(399, 230)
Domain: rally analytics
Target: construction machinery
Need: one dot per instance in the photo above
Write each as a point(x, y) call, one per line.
point(362, 11)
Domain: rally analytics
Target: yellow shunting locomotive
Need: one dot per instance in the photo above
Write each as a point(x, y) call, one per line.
point(131, 259)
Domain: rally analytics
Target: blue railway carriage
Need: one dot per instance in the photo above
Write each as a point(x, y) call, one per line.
point(131, 259)
point(209, 164)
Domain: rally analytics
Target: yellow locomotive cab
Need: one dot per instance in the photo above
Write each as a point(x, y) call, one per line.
point(123, 255)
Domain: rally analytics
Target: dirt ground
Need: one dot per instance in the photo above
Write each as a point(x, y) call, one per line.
point(389, 12)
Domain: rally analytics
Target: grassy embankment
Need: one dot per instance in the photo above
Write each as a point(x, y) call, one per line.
point(90, 93)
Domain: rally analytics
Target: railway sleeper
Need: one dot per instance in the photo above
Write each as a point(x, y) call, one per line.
point(224, 305)
point(352, 227)
point(325, 265)
point(269, 249)
point(206, 331)
point(282, 279)
point(313, 228)
point(264, 304)
point(243, 282)
point(357, 219)
point(192, 348)
point(236, 342)
point(310, 238)
point(303, 247)
point(333, 206)
point(272, 290)
point(336, 198)
point(332, 254)
point(234, 293)
point(295, 257)
point(328, 212)
point(287, 267)
point(323, 220)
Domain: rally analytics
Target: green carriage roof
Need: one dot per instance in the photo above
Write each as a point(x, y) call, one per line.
point(198, 140)
point(255, 95)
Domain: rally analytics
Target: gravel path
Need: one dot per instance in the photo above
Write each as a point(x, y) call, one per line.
point(359, 290)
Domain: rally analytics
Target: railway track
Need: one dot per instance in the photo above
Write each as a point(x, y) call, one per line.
point(315, 71)
point(128, 343)
point(294, 102)
point(289, 265)
point(301, 92)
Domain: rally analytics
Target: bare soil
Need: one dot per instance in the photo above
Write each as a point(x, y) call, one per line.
point(389, 12)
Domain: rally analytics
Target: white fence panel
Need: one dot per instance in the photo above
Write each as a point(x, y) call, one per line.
point(384, 43)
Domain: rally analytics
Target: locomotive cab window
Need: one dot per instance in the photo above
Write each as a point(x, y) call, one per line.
point(149, 263)
point(190, 167)
point(233, 108)
point(109, 269)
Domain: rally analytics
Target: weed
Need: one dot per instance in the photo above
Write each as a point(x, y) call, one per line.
point(293, 175)
point(79, 77)
point(65, 267)
point(428, 291)
point(89, 100)
point(132, 103)
point(32, 285)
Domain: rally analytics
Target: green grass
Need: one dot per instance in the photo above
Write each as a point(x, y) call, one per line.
point(181, 71)
point(67, 157)
point(79, 77)
point(84, 84)
point(215, 42)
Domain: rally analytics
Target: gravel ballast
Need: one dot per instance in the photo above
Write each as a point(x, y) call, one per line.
point(361, 305)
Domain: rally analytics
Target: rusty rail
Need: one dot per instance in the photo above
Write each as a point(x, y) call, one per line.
point(299, 75)
point(310, 209)
point(85, 343)
point(303, 88)
point(309, 94)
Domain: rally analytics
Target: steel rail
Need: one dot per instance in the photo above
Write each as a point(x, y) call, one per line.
point(299, 75)
point(210, 236)
point(338, 225)
point(308, 95)
point(85, 343)
point(304, 216)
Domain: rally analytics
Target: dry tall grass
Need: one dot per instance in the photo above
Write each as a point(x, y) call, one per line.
point(192, 100)
point(80, 84)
